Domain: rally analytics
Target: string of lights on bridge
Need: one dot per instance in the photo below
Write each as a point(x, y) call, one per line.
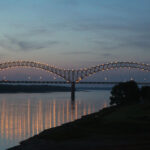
point(74, 75)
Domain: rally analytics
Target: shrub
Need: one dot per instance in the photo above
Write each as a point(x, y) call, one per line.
point(145, 92)
point(125, 93)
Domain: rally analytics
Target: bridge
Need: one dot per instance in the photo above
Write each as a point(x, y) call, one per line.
point(64, 82)
point(74, 76)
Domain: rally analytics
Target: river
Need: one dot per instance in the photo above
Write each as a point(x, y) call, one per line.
point(24, 115)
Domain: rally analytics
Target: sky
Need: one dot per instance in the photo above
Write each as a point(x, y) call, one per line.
point(75, 33)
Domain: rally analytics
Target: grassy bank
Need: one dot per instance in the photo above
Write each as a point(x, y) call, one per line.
point(125, 127)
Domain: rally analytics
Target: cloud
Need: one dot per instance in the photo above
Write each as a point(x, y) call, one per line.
point(96, 54)
point(97, 26)
point(18, 44)
point(106, 55)
point(111, 37)
point(32, 31)
point(68, 2)
point(135, 43)
point(101, 24)
point(2, 55)
point(78, 53)
point(38, 31)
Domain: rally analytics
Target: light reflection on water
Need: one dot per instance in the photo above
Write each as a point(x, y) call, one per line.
point(24, 115)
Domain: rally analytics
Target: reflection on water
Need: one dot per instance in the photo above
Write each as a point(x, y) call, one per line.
point(18, 122)
point(24, 115)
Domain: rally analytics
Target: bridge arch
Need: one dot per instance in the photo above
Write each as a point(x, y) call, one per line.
point(71, 75)
point(32, 64)
point(84, 73)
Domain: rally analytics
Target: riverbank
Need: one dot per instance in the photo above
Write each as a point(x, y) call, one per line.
point(8, 88)
point(122, 128)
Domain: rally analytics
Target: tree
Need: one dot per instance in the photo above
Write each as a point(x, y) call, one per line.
point(145, 93)
point(125, 93)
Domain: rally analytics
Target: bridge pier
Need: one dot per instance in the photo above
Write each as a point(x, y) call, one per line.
point(73, 91)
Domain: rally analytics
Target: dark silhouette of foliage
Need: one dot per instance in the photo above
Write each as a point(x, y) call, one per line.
point(125, 93)
point(145, 92)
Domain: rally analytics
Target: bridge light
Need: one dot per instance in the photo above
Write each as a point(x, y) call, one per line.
point(80, 78)
point(131, 79)
point(105, 78)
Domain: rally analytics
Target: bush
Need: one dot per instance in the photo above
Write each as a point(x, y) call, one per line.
point(145, 92)
point(125, 93)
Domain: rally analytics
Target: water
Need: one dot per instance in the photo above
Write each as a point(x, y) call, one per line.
point(24, 115)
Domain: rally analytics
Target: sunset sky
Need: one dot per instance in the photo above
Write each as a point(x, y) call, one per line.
point(73, 33)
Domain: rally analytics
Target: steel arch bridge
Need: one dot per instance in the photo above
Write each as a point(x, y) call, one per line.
point(75, 75)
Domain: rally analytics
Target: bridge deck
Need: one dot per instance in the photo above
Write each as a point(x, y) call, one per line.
point(62, 82)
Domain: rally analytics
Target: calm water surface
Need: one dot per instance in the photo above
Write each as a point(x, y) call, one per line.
point(24, 115)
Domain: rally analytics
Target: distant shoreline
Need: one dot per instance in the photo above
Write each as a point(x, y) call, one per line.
point(32, 88)
point(8, 88)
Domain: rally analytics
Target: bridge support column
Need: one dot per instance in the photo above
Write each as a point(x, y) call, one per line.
point(73, 91)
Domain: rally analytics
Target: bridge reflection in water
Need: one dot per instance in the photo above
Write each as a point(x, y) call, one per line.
point(19, 122)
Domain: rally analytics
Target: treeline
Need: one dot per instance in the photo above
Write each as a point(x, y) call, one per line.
point(31, 88)
point(129, 93)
